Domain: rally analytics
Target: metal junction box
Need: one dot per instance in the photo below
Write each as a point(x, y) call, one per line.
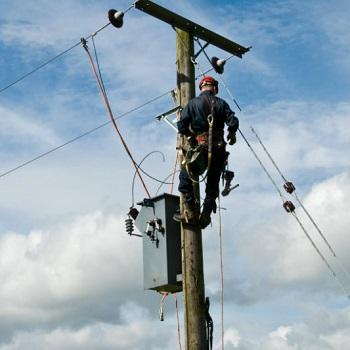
point(161, 243)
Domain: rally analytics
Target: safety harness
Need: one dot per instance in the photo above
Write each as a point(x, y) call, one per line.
point(198, 157)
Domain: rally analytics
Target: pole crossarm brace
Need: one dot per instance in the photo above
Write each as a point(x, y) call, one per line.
point(193, 28)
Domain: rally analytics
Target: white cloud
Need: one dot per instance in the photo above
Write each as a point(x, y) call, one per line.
point(135, 331)
point(51, 276)
point(18, 126)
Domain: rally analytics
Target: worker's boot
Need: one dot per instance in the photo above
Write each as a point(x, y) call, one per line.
point(209, 206)
point(189, 210)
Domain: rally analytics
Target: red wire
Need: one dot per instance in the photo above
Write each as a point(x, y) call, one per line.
point(110, 113)
point(178, 322)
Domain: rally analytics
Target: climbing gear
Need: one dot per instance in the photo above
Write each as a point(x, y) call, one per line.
point(196, 161)
point(203, 138)
point(189, 210)
point(210, 137)
point(209, 206)
point(208, 80)
point(228, 176)
point(231, 138)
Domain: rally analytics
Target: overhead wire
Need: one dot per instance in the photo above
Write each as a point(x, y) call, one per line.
point(110, 114)
point(280, 193)
point(165, 179)
point(294, 193)
point(295, 216)
point(54, 58)
point(82, 135)
point(153, 178)
point(220, 77)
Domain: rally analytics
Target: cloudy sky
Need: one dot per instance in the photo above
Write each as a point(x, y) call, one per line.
point(70, 277)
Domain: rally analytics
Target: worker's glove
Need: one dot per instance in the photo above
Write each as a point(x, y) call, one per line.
point(231, 138)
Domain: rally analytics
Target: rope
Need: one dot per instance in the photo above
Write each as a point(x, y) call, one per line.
point(178, 321)
point(110, 113)
point(221, 276)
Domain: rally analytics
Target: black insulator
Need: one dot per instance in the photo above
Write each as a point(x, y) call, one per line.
point(133, 212)
point(129, 226)
point(116, 18)
point(289, 187)
point(289, 206)
point(218, 64)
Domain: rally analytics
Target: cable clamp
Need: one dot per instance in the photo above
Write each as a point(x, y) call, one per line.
point(84, 43)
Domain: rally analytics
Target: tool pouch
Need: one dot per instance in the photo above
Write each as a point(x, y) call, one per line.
point(197, 160)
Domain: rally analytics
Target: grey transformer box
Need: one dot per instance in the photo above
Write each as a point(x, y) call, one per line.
point(162, 270)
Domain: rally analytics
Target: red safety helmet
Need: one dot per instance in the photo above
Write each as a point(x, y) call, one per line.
point(208, 80)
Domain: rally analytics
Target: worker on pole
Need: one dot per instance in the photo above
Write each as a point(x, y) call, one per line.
point(202, 122)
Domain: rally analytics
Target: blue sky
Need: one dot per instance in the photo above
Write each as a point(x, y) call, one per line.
point(69, 274)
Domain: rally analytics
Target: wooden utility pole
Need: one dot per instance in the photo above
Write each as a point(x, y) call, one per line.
point(191, 235)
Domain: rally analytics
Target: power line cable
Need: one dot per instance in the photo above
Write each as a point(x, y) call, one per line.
point(291, 209)
point(99, 82)
point(82, 135)
point(294, 193)
point(297, 198)
point(287, 205)
point(44, 64)
point(220, 77)
point(26, 75)
point(153, 178)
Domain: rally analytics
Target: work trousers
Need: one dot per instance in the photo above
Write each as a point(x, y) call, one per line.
point(213, 175)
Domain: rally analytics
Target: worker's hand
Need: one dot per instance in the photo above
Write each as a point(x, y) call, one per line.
point(231, 138)
point(192, 141)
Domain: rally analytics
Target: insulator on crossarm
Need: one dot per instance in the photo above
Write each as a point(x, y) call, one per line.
point(116, 18)
point(218, 64)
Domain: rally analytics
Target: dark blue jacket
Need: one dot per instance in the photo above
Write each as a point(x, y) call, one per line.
point(195, 115)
